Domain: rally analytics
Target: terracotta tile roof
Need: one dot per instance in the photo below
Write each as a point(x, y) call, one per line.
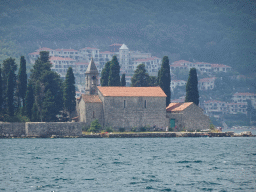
point(179, 106)
point(181, 62)
point(172, 106)
point(91, 98)
point(60, 59)
point(132, 91)
point(72, 50)
point(34, 53)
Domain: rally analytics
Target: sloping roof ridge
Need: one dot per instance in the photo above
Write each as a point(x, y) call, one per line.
point(91, 98)
point(91, 67)
point(123, 47)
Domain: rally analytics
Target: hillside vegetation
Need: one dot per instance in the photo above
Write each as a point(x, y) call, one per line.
point(212, 31)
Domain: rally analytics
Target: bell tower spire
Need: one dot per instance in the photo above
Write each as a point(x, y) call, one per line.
point(91, 79)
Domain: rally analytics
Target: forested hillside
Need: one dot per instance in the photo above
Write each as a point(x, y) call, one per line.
point(215, 31)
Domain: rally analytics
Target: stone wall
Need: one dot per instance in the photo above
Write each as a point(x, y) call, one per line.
point(129, 112)
point(41, 129)
point(12, 129)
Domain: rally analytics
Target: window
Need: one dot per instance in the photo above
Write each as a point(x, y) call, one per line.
point(145, 104)
point(124, 104)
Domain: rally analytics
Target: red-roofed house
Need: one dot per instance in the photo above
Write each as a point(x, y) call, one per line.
point(215, 108)
point(236, 108)
point(242, 97)
point(186, 116)
point(176, 83)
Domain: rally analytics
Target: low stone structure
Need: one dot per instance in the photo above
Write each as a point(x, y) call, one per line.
point(41, 129)
point(186, 116)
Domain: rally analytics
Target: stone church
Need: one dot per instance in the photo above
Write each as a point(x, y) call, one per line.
point(121, 107)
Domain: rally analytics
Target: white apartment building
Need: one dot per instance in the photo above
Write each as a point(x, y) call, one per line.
point(215, 108)
point(242, 97)
point(206, 83)
point(236, 108)
point(220, 68)
point(61, 65)
point(176, 83)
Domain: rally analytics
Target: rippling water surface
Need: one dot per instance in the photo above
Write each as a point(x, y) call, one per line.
point(132, 164)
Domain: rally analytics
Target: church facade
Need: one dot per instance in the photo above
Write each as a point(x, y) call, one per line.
point(121, 107)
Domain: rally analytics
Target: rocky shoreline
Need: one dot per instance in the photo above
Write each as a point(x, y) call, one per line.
point(147, 135)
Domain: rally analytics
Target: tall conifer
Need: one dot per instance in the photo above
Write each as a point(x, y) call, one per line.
point(29, 101)
point(69, 92)
point(22, 80)
point(164, 78)
point(10, 93)
point(105, 74)
point(114, 77)
point(192, 94)
point(123, 81)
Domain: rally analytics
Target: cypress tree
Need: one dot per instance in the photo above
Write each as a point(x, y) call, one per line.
point(10, 93)
point(69, 92)
point(35, 117)
point(140, 77)
point(8, 65)
point(49, 110)
point(105, 74)
point(22, 80)
point(114, 78)
point(164, 78)
point(123, 82)
point(192, 94)
point(29, 101)
point(1, 91)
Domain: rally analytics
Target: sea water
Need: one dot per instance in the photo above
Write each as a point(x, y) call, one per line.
point(128, 164)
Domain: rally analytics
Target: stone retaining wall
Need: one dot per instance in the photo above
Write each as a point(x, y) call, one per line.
point(41, 129)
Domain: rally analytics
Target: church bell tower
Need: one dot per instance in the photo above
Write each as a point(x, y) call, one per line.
point(91, 79)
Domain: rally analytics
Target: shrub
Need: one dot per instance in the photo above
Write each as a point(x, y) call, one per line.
point(95, 126)
point(170, 129)
point(121, 129)
point(109, 129)
point(134, 129)
point(143, 129)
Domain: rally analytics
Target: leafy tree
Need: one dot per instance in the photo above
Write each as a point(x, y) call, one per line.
point(10, 93)
point(165, 78)
point(29, 100)
point(192, 94)
point(69, 92)
point(22, 80)
point(114, 78)
point(153, 81)
point(105, 74)
point(95, 126)
point(123, 82)
point(140, 77)
point(49, 109)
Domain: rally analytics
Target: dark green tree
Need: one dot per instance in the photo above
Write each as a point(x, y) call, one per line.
point(140, 77)
point(114, 77)
point(29, 101)
point(8, 65)
point(105, 74)
point(22, 80)
point(123, 81)
point(153, 81)
point(1, 91)
point(192, 94)
point(35, 116)
point(49, 108)
point(164, 78)
point(10, 93)
point(69, 92)
point(95, 126)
